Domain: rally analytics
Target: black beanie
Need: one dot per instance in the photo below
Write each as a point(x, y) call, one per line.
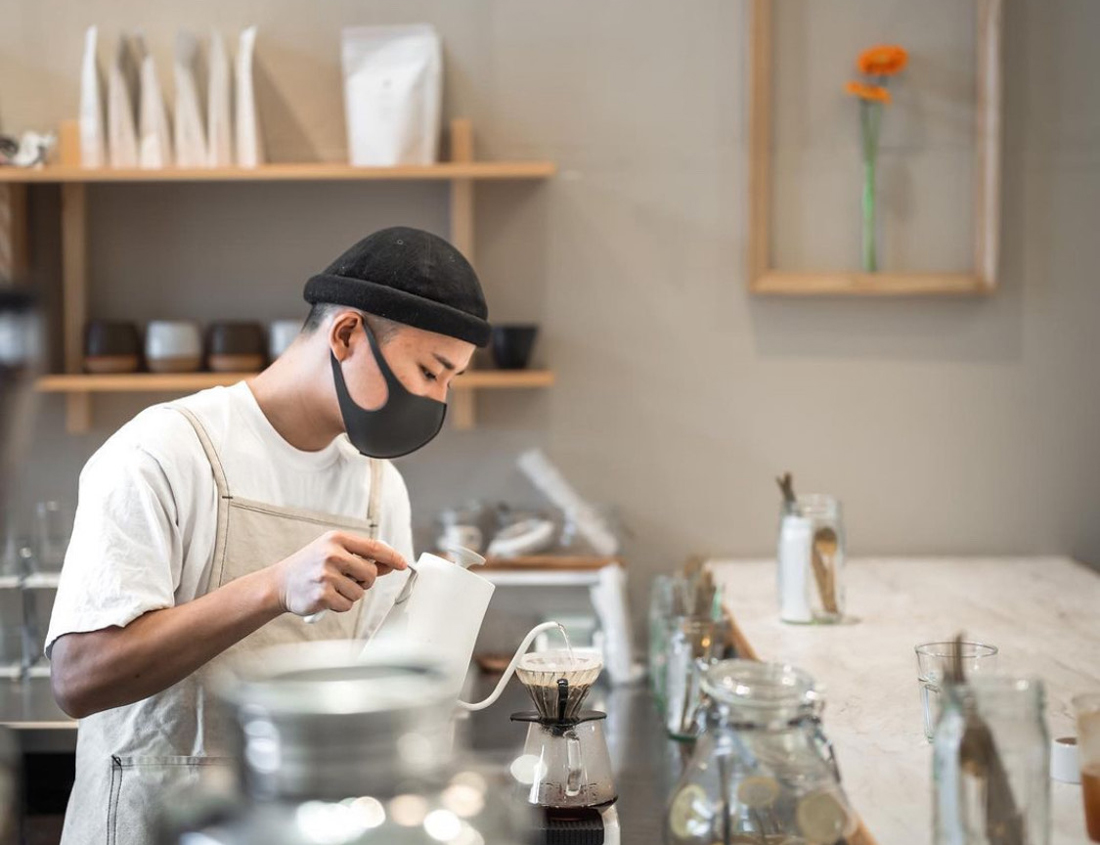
point(411, 277)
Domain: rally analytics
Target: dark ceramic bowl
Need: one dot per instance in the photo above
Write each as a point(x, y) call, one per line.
point(512, 345)
point(107, 337)
point(111, 347)
point(235, 339)
point(235, 347)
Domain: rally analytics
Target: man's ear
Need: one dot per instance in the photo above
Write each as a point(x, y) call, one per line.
point(341, 332)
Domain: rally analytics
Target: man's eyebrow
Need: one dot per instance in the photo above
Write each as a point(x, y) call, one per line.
point(446, 363)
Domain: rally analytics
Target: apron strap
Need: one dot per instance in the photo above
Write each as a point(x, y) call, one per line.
point(374, 503)
point(211, 453)
point(221, 537)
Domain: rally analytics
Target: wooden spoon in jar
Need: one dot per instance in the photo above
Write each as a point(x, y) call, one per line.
point(824, 564)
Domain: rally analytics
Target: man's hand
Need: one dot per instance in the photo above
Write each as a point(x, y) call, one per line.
point(332, 573)
point(98, 670)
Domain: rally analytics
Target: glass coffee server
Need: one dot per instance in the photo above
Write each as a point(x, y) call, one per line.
point(763, 772)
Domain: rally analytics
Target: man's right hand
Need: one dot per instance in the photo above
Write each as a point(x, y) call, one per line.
point(332, 573)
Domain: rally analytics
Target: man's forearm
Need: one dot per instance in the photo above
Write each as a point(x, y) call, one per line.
point(104, 669)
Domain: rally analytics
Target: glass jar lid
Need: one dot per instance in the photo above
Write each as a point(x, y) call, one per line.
point(761, 693)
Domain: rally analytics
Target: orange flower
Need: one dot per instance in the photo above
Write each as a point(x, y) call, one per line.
point(874, 93)
point(883, 60)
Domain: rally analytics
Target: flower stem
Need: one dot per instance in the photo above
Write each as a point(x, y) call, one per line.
point(869, 124)
point(870, 258)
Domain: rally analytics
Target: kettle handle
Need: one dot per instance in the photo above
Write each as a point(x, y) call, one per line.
point(507, 676)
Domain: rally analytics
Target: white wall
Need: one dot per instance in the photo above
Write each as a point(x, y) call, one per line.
point(945, 425)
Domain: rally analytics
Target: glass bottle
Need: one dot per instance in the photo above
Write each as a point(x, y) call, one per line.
point(763, 772)
point(991, 764)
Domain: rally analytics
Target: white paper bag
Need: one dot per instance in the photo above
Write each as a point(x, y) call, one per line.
point(93, 147)
point(190, 134)
point(250, 150)
point(154, 139)
point(122, 143)
point(393, 90)
point(219, 129)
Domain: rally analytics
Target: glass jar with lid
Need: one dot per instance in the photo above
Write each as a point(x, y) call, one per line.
point(335, 749)
point(763, 771)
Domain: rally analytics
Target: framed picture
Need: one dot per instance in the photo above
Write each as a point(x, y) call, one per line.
point(933, 131)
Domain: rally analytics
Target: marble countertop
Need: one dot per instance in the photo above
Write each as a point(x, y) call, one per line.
point(1043, 613)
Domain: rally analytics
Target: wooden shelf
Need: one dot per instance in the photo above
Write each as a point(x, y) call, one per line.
point(303, 172)
point(552, 563)
point(870, 284)
point(188, 382)
point(460, 175)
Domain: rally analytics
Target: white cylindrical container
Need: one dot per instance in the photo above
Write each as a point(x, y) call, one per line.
point(795, 542)
point(1065, 763)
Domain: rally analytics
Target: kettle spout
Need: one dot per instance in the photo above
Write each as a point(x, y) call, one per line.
point(507, 676)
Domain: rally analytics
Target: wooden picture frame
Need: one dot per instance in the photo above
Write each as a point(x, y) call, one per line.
point(764, 279)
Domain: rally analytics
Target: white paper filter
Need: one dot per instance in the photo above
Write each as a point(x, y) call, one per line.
point(93, 145)
point(250, 151)
point(219, 127)
point(122, 141)
point(154, 138)
point(190, 133)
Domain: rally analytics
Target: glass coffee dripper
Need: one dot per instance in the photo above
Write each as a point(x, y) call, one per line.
point(565, 762)
point(763, 772)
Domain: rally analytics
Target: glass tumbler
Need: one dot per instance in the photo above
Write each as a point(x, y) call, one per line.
point(694, 644)
point(932, 660)
point(53, 523)
point(662, 598)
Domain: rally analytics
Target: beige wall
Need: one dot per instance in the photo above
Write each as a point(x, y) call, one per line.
point(946, 426)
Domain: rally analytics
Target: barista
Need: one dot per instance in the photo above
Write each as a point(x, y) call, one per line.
point(208, 527)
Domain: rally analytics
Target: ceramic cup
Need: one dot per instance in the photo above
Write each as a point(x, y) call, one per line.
point(173, 346)
point(111, 347)
point(512, 345)
point(280, 334)
point(235, 347)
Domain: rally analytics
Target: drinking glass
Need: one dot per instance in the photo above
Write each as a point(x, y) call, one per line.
point(1087, 708)
point(662, 599)
point(932, 661)
point(694, 644)
point(53, 523)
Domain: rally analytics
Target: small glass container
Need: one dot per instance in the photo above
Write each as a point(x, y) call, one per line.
point(662, 601)
point(693, 645)
point(932, 665)
point(991, 764)
point(763, 771)
point(811, 560)
point(53, 523)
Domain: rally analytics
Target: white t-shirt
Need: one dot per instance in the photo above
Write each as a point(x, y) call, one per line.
point(147, 509)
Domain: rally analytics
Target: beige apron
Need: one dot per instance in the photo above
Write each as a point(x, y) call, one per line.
point(127, 757)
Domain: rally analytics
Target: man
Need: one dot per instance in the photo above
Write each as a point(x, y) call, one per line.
point(210, 526)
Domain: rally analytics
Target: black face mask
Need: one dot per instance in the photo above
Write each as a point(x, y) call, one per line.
point(402, 425)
